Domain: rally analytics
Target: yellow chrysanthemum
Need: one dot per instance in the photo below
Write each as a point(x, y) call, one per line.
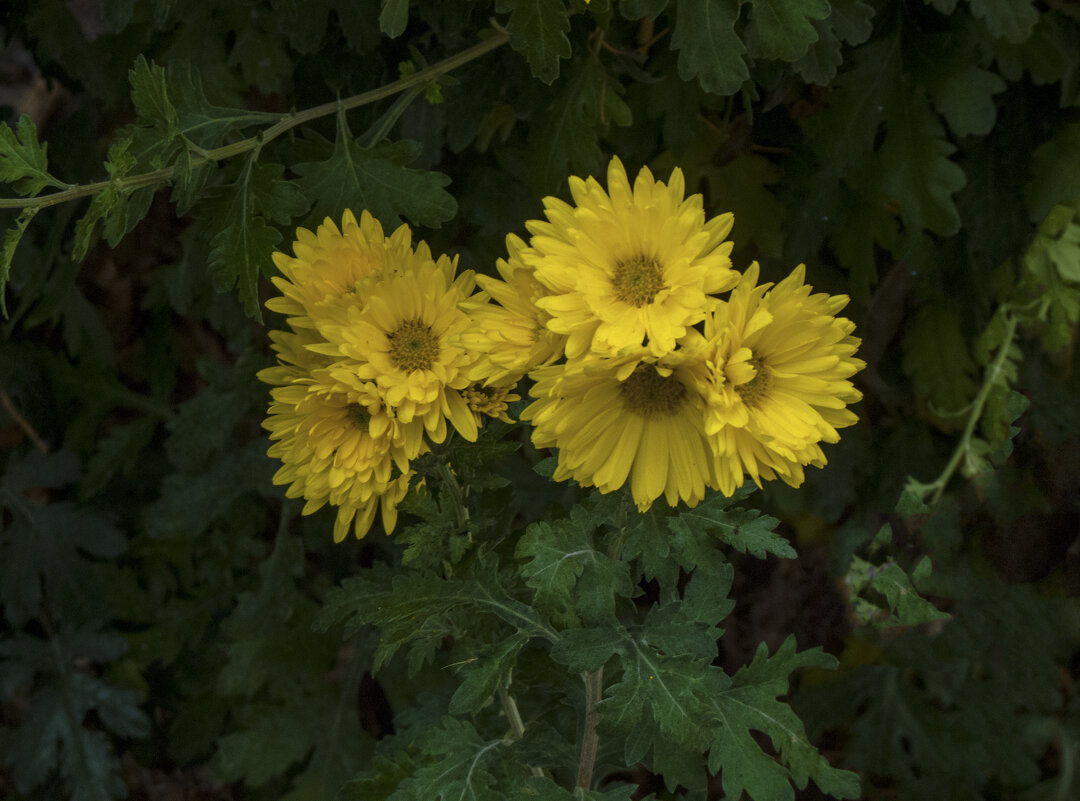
point(329, 264)
point(614, 419)
point(400, 331)
point(489, 401)
point(510, 338)
point(630, 266)
point(336, 441)
point(776, 382)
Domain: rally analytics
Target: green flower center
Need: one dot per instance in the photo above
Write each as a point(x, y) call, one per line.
point(413, 346)
point(359, 415)
point(649, 394)
point(637, 280)
point(754, 391)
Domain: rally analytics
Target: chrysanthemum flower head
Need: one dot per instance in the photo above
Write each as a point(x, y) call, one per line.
point(775, 377)
point(336, 441)
point(328, 264)
point(510, 338)
point(630, 266)
point(400, 331)
point(635, 417)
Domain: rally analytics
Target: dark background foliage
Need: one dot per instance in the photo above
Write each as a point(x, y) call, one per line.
point(159, 596)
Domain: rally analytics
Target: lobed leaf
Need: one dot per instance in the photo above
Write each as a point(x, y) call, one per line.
point(538, 31)
point(784, 29)
point(24, 161)
point(709, 49)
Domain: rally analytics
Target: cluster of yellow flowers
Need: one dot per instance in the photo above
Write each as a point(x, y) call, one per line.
point(638, 369)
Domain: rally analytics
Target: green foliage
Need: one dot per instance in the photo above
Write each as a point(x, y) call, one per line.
point(171, 625)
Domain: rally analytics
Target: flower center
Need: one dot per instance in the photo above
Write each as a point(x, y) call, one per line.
point(637, 280)
point(359, 415)
point(413, 346)
point(753, 391)
point(650, 394)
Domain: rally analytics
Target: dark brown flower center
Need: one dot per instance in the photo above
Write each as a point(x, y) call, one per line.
point(649, 394)
point(413, 346)
point(636, 281)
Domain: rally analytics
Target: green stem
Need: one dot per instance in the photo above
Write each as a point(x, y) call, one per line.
point(283, 125)
point(590, 741)
point(993, 371)
point(517, 725)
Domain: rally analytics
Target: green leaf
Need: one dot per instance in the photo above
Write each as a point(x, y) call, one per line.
point(759, 214)
point(904, 605)
point(421, 610)
point(750, 703)
point(964, 97)
point(1012, 20)
point(458, 766)
point(709, 49)
point(586, 649)
point(846, 130)
point(783, 29)
point(1055, 173)
point(485, 673)
point(119, 449)
point(566, 139)
point(23, 161)
point(572, 579)
point(12, 237)
point(394, 17)
point(938, 361)
point(377, 179)
point(267, 746)
point(243, 241)
point(639, 9)
point(917, 172)
point(850, 22)
point(538, 31)
point(745, 530)
point(674, 690)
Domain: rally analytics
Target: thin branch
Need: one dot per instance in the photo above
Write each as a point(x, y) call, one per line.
point(285, 124)
point(21, 421)
point(517, 725)
point(590, 741)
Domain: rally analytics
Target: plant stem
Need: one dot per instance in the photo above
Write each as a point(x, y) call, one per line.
point(594, 688)
point(517, 725)
point(283, 125)
point(992, 373)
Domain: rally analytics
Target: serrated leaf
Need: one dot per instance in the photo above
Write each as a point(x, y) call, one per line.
point(917, 172)
point(759, 214)
point(268, 746)
point(24, 162)
point(709, 49)
point(538, 31)
point(566, 140)
point(458, 766)
point(572, 579)
point(783, 29)
point(905, 606)
point(674, 690)
point(745, 530)
point(243, 242)
point(118, 449)
point(1012, 20)
point(393, 17)
point(587, 649)
point(12, 237)
point(846, 130)
point(377, 179)
point(751, 703)
point(485, 673)
point(639, 9)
